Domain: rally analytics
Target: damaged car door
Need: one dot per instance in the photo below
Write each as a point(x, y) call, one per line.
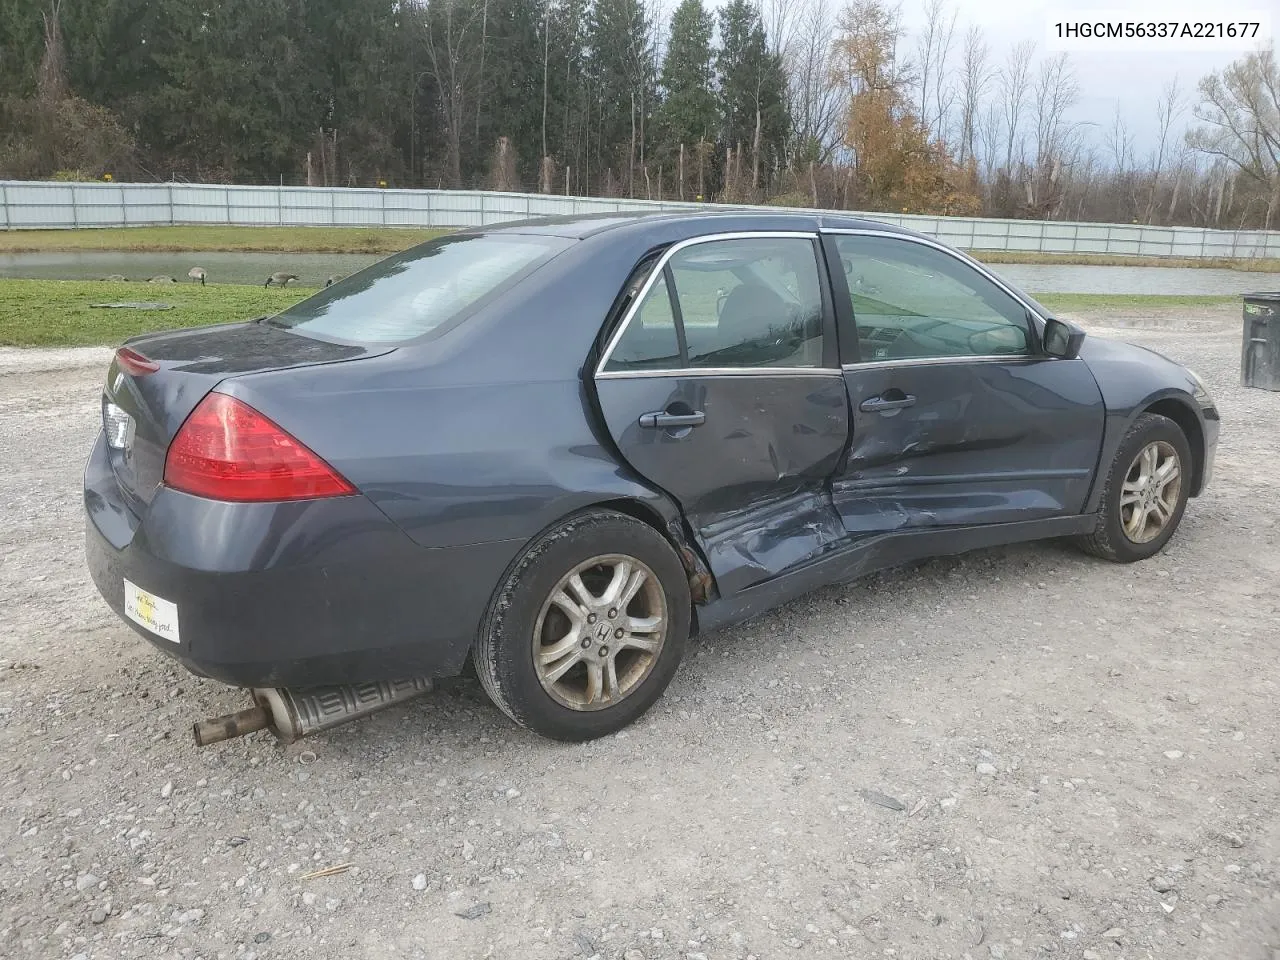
point(721, 385)
point(959, 416)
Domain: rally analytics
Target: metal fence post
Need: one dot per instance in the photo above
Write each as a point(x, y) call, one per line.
point(124, 207)
point(430, 218)
point(226, 199)
point(4, 203)
point(172, 218)
point(280, 205)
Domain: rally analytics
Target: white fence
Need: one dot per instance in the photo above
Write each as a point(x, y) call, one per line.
point(27, 205)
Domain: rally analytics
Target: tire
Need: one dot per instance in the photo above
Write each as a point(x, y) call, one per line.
point(526, 634)
point(1120, 536)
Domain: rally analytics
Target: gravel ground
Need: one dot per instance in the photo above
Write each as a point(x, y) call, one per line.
point(1015, 753)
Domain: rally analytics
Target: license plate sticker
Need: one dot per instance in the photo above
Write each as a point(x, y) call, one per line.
point(158, 615)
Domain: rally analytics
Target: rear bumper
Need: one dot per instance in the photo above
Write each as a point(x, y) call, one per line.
point(290, 594)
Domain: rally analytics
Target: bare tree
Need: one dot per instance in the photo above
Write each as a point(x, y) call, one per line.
point(1014, 81)
point(450, 27)
point(782, 21)
point(990, 138)
point(944, 90)
point(1168, 109)
point(1240, 110)
point(933, 48)
point(975, 78)
point(816, 100)
point(1054, 91)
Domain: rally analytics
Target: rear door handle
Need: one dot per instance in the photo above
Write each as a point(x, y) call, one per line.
point(880, 404)
point(663, 419)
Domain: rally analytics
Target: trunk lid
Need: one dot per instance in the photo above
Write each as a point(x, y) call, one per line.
point(190, 364)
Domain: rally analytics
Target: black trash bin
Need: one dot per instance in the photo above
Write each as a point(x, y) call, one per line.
point(1260, 352)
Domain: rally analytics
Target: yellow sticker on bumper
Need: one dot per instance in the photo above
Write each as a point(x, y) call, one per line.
point(157, 614)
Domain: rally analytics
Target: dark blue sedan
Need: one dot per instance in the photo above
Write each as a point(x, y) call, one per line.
point(556, 449)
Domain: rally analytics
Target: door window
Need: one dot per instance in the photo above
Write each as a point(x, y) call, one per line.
point(914, 301)
point(750, 303)
point(741, 303)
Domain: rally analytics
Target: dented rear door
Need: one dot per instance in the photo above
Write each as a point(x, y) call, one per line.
point(721, 386)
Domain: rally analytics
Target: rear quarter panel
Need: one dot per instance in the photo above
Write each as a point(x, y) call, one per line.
point(486, 433)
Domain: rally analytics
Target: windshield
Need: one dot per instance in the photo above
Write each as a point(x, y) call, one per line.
point(423, 290)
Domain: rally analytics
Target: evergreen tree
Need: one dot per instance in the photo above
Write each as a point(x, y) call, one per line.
point(622, 89)
point(752, 96)
point(511, 97)
point(688, 119)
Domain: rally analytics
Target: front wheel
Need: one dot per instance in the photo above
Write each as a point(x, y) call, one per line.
point(587, 629)
point(1145, 493)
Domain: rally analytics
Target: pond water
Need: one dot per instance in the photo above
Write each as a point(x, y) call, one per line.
point(313, 268)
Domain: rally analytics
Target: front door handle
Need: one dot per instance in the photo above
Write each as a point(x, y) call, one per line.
point(881, 404)
point(666, 420)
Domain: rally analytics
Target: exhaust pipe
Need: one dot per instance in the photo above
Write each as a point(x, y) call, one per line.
point(294, 714)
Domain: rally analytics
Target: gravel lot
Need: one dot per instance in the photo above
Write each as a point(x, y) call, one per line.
point(1083, 759)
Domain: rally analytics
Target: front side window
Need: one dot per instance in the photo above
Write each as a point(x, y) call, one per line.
point(912, 301)
point(737, 303)
point(424, 289)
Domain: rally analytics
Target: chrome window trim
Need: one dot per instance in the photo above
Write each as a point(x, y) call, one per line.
point(938, 361)
point(964, 258)
point(812, 236)
point(720, 372)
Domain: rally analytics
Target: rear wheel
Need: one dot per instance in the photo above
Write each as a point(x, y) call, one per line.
point(587, 629)
point(1145, 494)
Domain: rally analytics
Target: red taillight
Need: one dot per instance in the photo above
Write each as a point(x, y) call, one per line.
point(227, 450)
point(132, 362)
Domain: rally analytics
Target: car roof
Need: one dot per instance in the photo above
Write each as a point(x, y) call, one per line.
point(581, 226)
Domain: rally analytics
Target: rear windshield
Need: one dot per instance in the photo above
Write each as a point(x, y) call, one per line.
point(423, 290)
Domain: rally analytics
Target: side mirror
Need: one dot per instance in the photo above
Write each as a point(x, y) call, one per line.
point(1062, 340)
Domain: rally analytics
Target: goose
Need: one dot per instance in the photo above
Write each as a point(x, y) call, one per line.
point(333, 278)
point(162, 279)
point(280, 278)
point(116, 278)
point(197, 273)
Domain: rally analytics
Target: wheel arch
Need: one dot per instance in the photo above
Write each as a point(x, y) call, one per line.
point(702, 588)
point(1184, 415)
point(657, 512)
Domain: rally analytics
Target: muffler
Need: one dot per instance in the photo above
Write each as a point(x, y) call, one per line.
point(294, 714)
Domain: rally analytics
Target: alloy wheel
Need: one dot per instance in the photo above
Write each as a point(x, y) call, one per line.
point(600, 632)
point(1149, 496)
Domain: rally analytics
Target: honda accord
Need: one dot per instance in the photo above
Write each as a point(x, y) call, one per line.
point(556, 449)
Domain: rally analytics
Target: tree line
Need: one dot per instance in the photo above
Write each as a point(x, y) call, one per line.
point(796, 102)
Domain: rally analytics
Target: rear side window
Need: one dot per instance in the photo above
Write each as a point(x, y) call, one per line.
point(733, 303)
point(426, 289)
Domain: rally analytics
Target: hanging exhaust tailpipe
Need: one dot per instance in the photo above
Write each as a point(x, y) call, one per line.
point(293, 714)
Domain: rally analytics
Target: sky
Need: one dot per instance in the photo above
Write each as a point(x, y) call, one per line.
point(1129, 80)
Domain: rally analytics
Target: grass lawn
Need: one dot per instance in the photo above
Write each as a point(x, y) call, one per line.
point(202, 238)
point(57, 313)
point(1270, 265)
